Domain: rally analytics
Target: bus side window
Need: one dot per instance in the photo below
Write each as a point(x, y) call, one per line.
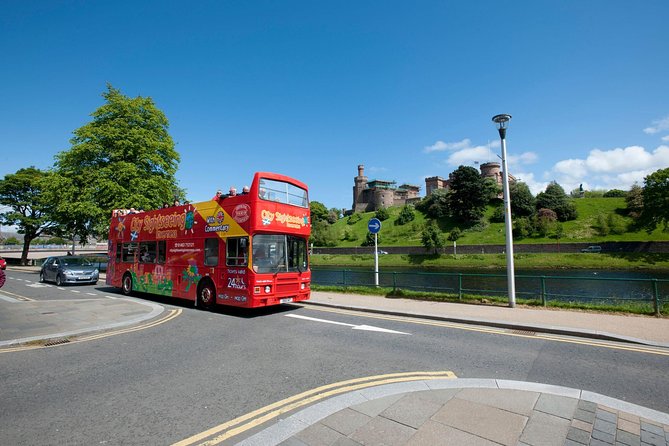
point(237, 251)
point(119, 250)
point(129, 252)
point(211, 251)
point(147, 252)
point(161, 252)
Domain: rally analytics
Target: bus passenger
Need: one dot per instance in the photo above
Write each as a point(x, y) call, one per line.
point(233, 191)
point(245, 190)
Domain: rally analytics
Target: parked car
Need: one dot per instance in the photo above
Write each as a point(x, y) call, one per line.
point(68, 269)
point(592, 249)
point(3, 263)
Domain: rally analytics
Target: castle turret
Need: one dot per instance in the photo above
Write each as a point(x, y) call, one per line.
point(360, 185)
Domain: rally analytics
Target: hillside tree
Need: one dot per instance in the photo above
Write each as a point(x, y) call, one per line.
point(123, 158)
point(469, 195)
point(555, 198)
point(523, 203)
point(656, 200)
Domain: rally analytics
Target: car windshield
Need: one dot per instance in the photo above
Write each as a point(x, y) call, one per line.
point(75, 261)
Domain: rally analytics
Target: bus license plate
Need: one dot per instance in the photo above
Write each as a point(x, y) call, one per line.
point(287, 300)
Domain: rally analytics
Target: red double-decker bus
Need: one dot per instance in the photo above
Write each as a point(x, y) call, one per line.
point(248, 250)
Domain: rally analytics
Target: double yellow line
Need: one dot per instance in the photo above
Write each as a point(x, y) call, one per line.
point(171, 314)
point(243, 423)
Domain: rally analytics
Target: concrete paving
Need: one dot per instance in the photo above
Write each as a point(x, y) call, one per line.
point(418, 412)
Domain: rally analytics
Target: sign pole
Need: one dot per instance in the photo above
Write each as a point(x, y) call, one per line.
point(374, 226)
point(376, 260)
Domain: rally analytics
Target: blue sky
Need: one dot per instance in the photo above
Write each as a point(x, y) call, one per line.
point(311, 89)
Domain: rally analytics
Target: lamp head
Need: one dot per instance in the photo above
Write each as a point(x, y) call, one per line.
point(501, 121)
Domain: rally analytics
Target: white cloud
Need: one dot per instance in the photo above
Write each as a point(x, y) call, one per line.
point(571, 167)
point(665, 138)
point(657, 126)
point(523, 158)
point(535, 185)
point(441, 146)
point(610, 169)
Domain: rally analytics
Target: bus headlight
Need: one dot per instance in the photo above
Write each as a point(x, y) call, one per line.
point(268, 289)
point(303, 286)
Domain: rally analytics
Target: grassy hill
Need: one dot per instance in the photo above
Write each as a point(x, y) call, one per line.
point(584, 229)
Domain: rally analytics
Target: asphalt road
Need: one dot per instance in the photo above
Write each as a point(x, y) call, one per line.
point(166, 383)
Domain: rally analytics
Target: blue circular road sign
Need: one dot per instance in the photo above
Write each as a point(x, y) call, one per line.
point(374, 225)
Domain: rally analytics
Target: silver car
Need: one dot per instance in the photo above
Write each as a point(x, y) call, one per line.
point(69, 269)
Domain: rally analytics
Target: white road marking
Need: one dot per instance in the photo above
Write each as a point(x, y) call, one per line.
point(61, 288)
point(37, 285)
point(75, 291)
point(353, 326)
point(92, 294)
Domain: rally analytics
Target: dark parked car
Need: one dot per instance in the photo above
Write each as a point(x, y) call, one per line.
point(3, 263)
point(595, 249)
point(69, 269)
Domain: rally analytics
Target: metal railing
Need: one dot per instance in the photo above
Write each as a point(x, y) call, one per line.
point(543, 289)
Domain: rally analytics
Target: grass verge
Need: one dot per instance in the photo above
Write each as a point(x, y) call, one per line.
point(618, 308)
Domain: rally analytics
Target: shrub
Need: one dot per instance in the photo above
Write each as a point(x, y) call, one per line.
point(353, 219)
point(407, 214)
point(382, 214)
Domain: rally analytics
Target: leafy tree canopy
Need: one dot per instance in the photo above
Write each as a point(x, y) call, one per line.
point(318, 211)
point(554, 198)
point(469, 195)
point(436, 204)
point(523, 203)
point(656, 200)
point(123, 158)
point(23, 193)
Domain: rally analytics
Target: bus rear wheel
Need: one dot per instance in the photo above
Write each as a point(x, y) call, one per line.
point(126, 285)
point(206, 295)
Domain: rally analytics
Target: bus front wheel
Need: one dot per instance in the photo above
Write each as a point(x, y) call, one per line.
point(126, 286)
point(206, 295)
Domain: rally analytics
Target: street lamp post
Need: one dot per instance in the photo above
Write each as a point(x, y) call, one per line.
point(502, 122)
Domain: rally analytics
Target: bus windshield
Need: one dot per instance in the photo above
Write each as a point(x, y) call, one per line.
point(282, 192)
point(279, 253)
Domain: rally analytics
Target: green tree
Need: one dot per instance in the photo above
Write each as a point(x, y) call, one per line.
point(454, 234)
point(382, 214)
point(123, 158)
point(318, 211)
point(556, 199)
point(522, 227)
point(407, 214)
point(523, 203)
point(436, 204)
point(323, 234)
point(469, 195)
point(12, 241)
point(432, 238)
point(369, 239)
point(634, 201)
point(29, 208)
point(656, 200)
point(613, 193)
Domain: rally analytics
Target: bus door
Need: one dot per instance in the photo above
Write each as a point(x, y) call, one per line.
point(235, 289)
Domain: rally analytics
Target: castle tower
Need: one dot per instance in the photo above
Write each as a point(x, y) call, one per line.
point(360, 185)
point(492, 170)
